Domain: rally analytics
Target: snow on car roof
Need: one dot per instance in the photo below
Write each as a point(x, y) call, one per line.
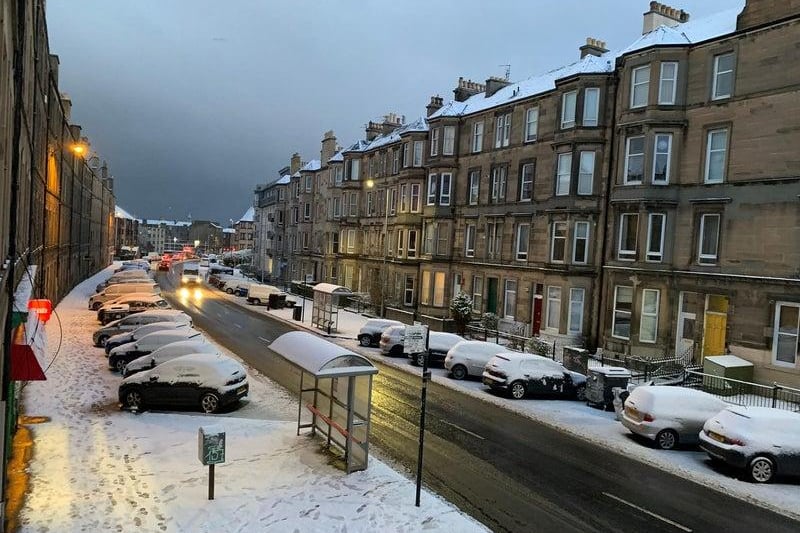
point(765, 413)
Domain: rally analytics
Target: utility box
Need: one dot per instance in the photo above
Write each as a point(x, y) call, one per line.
point(600, 384)
point(718, 369)
point(211, 445)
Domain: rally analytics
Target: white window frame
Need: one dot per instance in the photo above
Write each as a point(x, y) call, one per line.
point(569, 105)
point(477, 293)
point(586, 179)
point(585, 241)
point(401, 240)
point(667, 96)
point(502, 130)
point(563, 175)
point(704, 258)
point(628, 157)
point(591, 112)
point(469, 240)
point(718, 73)
point(616, 311)
point(521, 241)
point(307, 211)
point(553, 308)
point(531, 124)
point(554, 227)
point(657, 153)
point(624, 254)
point(430, 193)
point(407, 154)
point(434, 142)
point(415, 197)
point(418, 147)
point(408, 290)
point(499, 177)
point(575, 327)
point(777, 333)
point(526, 178)
point(393, 200)
point(636, 87)
point(644, 315)
point(707, 177)
point(474, 187)
point(510, 299)
point(396, 159)
point(477, 136)
point(448, 140)
point(351, 241)
point(655, 255)
point(445, 178)
point(404, 197)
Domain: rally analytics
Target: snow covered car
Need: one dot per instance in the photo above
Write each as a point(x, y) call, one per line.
point(200, 380)
point(393, 339)
point(141, 331)
point(669, 415)
point(469, 358)
point(132, 322)
point(130, 304)
point(166, 353)
point(519, 374)
point(761, 440)
point(129, 276)
point(370, 333)
point(122, 355)
point(113, 292)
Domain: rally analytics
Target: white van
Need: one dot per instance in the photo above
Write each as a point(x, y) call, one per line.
point(115, 291)
point(669, 415)
point(259, 294)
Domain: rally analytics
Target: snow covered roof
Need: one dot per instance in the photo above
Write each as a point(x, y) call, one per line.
point(158, 222)
point(249, 215)
point(311, 166)
point(337, 157)
point(228, 230)
point(284, 180)
point(358, 146)
point(421, 124)
point(693, 31)
point(121, 213)
point(319, 357)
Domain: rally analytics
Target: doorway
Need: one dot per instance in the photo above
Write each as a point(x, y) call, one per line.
point(687, 320)
point(538, 301)
point(715, 323)
point(491, 295)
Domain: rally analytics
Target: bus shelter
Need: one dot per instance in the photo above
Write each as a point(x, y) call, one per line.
point(325, 313)
point(335, 393)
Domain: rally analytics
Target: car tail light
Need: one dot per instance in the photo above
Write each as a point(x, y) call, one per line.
point(647, 417)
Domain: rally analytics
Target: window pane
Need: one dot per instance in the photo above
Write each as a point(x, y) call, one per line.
point(662, 149)
point(640, 86)
point(666, 90)
point(438, 289)
point(559, 241)
point(563, 174)
point(723, 76)
point(623, 303)
point(526, 182)
point(655, 237)
point(553, 307)
point(581, 242)
point(591, 103)
point(576, 310)
point(586, 173)
point(634, 162)
point(531, 123)
point(568, 109)
point(709, 238)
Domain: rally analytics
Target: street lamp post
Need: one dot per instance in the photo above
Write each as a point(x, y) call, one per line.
point(370, 184)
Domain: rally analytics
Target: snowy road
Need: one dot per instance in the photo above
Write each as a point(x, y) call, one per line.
point(503, 468)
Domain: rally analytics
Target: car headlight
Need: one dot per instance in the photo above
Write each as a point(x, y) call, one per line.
point(184, 279)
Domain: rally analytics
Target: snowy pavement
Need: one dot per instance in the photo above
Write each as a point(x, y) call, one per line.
point(584, 422)
point(96, 468)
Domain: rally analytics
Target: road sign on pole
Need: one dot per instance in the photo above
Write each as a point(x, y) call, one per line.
point(415, 339)
point(211, 451)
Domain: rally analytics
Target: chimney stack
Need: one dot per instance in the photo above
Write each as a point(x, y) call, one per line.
point(436, 104)
point(662, 15)
point(295, 163)
point(372, 130)
point(467, 88)
point(328, 147)
point(593, 46)
point(494, 84)
point(391, 122)
point(758, 12)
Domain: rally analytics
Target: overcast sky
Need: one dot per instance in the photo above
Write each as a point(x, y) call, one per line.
point(194, 102)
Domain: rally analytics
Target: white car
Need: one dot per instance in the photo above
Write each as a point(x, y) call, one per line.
point(145, 329)
point(519, 374)
point(200, 380)
point(166, 353)
point(469, 358)
point(762, 440)
point(132, 322)
point(129, 304)
point(669, 415)
point(123, 354)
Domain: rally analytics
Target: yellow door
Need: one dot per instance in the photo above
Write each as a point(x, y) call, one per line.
point(714, 334)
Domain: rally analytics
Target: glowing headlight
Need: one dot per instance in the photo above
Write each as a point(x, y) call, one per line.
point(184, 279)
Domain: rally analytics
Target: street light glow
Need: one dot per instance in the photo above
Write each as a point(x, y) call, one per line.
point(78, 149)
point(370, 183)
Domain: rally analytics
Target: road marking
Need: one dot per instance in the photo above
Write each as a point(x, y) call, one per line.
point(264, 340)
point(464, 430)
point(654, 515)
point(238, 326)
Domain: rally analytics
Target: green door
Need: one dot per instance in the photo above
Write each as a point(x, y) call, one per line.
point(491, 295)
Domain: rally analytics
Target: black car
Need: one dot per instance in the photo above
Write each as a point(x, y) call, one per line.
point(203, 381)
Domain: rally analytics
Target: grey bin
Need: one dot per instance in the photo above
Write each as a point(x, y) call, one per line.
point(601, 381)
point(297, 313)
point(277, 301)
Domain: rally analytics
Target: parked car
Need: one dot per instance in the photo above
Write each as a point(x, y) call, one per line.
point(166, 353)
point(370, 333)
point(258, 294)
point(519, 374)
point(669, 415)
point(468, 358)
point(128, 305)
point(131, 322)
point(393, 338)
point(129, 276)
point(125, 353)
point(145, 329)
point(115, 291)
point(200, 380)
point(760, 440)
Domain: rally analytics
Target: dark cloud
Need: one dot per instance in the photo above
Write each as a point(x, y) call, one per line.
point(194, 102)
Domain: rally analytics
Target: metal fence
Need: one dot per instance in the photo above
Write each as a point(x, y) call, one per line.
point(744, 392)
point(667, 370)
point(514, 342)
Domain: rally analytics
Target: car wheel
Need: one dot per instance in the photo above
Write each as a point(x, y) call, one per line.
point(102, 340)
point(396, 351)
point(257, 301)
point(133, 399)
point(119, 365)
point(96, 306)
point(419, 359)
point(517, 390)
point(667, 439)
point(365, 340)
point(580, 393)
point(229, 291)
point(209, 403)
point(459, 372)
point(761, 469)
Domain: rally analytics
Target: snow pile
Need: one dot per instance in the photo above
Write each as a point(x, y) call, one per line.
point(96, 468)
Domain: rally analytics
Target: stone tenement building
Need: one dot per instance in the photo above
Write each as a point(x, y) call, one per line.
point(645, 200)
